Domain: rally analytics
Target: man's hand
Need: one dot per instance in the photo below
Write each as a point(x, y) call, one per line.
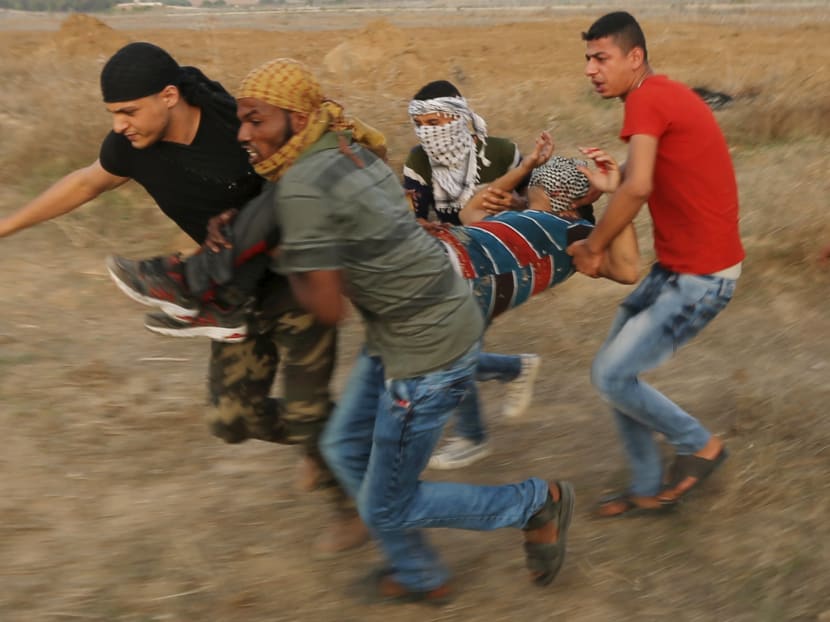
point(824, 256)
point(542, 151)
point(432, 227)
point(495, 201)
point(585, 260)
point(588, 199)
point(606, 177)
point(216, 240)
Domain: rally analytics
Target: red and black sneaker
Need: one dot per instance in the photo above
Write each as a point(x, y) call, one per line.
point(228, 325)
point(157, 282)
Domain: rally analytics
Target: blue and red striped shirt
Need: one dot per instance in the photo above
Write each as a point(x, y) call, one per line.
point(512, 256)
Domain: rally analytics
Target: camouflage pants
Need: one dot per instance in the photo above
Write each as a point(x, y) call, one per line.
point(242, 374)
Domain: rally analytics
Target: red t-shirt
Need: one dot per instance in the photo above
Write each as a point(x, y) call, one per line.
point(694, 198)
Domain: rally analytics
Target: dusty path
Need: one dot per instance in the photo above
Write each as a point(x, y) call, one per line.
point(116, 504)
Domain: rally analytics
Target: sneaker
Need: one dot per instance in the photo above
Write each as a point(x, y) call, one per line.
point(230, 326)
point(157, 282)
point(520, 391)
point(458, 452)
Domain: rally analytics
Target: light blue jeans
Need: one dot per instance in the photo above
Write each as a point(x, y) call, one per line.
point(665, 311)
point(378, 441)
point(501, 367)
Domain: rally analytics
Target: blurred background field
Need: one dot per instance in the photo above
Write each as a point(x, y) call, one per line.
point(116, 504)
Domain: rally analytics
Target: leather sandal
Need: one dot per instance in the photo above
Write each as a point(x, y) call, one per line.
point(546, 534)
point(687, 473)
point(625, 504)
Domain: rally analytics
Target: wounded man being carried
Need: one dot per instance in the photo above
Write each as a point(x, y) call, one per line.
point(508, 257)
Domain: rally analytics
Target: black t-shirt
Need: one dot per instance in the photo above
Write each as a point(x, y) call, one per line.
point(190, 183)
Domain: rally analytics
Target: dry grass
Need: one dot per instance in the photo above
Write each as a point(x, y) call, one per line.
point(115, 504)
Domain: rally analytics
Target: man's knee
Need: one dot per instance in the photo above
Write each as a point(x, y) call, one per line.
point(608, 377)
point(381, 516)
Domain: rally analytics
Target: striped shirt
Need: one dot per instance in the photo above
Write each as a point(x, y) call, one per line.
point(512, 256)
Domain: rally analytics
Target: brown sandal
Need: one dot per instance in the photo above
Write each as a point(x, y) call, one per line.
point(687, 473)
point(630, 505)
point(546, 534)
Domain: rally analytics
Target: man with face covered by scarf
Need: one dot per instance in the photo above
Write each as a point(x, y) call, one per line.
point(454, 157)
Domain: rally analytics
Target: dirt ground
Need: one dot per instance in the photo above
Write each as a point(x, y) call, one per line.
point(117, 504)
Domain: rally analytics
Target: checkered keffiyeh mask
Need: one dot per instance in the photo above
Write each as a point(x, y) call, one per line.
point(562, 182)
point(451, 149)
point(446, 145)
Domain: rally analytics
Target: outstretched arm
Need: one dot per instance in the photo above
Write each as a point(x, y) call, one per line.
point(65, 195)
point(474, 210)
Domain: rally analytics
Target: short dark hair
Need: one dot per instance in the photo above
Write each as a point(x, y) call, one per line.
point(620, 26)
point(439, 88)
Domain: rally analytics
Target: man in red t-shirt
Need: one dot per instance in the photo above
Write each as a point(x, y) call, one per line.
point(678, 162)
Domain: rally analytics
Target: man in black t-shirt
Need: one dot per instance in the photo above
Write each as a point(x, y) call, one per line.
point(174, 131)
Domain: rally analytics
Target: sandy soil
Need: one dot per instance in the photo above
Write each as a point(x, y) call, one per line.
point(116, 504)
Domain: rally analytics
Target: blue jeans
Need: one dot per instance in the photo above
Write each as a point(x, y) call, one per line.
point(665, 311)
point(378, 441)
point(501, 367)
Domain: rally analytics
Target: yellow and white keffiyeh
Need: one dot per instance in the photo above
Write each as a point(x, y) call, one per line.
point(290, 85)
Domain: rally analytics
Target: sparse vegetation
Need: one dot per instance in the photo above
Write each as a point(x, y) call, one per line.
point(116, 504)
point(88, 6)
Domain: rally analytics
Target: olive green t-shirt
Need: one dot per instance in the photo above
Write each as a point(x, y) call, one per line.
point(350, 214)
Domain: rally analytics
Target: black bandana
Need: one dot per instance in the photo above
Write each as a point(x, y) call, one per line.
point(141, 69)
point(138, 70)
